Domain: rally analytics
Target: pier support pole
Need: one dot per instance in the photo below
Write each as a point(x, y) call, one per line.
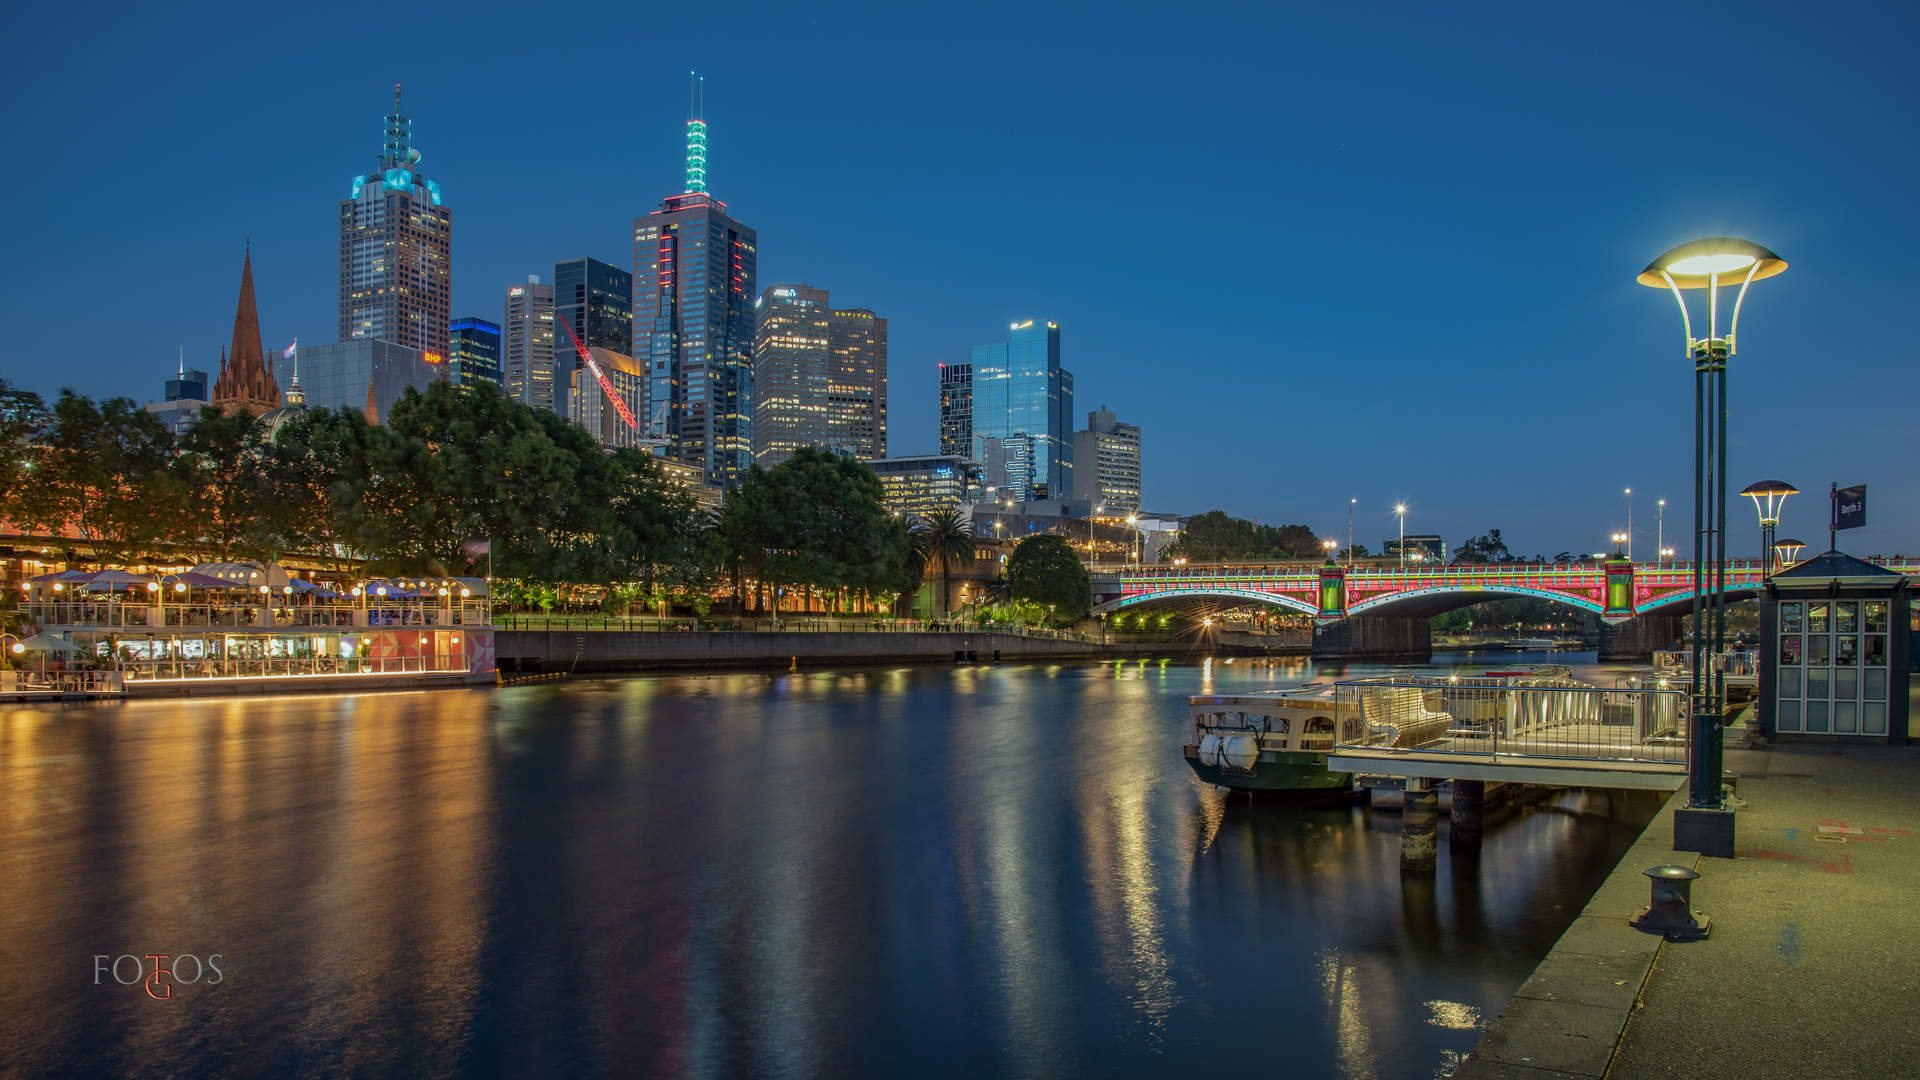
point(1463, 825)
point(1419, 817)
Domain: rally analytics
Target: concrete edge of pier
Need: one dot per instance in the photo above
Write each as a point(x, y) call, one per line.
point(1568, 1018)
point(594, 651)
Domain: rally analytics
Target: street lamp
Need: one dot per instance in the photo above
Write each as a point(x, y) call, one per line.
point(1629, 523)
point(1351, 503)
point(1769, 498)
point(1702, 264)
point(1787, 551)
point(1619, 543)
point(1660, 529)
point(1400, 510)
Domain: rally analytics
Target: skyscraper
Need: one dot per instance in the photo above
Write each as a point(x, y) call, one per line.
point(956, 410)
point(396, 250)
point(591, 402)
point(1019, 388)
point(596, 300)
point(473, 352)
point(245, 383)
point(1106, 464)
point(819, 377)
point(693, 269)
point(527, 362)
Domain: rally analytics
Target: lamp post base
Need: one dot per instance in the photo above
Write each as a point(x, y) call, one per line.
point(1709, 832)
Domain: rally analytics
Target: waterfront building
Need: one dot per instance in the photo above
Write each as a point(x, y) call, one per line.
point(527, 360)
point(396, 249)
point(819, 377)
point(473, 352)
point(956, 409)
point(691, 479)
point(367, 374)
point(1106, 464)
point(919, 486)
point(694, 271)
point(1836, 636)
point(595, 301)
point(246, 383)
point(1425, 549)
point(590, 402)
point(1020, 390)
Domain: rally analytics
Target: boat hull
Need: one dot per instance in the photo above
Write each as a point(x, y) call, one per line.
point(1275, 772)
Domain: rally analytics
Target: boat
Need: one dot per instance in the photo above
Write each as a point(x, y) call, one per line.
point(1533, 643)
point(1276, 741)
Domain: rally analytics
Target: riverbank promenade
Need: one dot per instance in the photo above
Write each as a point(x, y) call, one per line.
point(1811, 966)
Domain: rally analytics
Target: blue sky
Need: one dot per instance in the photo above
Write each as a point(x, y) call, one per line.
point(1318, 252)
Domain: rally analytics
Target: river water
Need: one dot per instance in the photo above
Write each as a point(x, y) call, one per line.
point(993, 870)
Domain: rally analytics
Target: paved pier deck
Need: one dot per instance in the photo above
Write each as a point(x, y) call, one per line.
point(1812, 969)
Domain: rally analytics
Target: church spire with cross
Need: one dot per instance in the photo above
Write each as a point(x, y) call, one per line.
point(246, 382)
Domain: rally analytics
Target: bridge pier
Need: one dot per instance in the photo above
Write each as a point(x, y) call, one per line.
point(1374, 637)
point(1419, 822)
point(1469, 804)
point(1639, 637)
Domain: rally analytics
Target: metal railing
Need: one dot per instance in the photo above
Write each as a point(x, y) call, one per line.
point(189, 670)
point(1548, 716)
point(134, 616)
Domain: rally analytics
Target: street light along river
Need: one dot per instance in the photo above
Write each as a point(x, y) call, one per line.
point(935, 871)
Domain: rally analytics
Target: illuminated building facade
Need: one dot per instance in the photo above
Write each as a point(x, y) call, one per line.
point(956, 409)
point(527, 361)
point(368, 375)
point(473, 352)
point(1020, 389)
point(1106, 464)
point(920, 486)
point(819, 377)
point(396, 250)
point(693, 280)
point(591, 406)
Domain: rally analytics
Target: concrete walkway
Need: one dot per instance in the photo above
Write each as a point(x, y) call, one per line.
point(1812, 970)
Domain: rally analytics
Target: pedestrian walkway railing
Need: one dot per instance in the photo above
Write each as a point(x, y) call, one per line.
point(1549, 716)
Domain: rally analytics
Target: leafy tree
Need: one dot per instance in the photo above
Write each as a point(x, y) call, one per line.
point(319, 477)
point(22, 418)
point(223, 476)
point(1357, 551)
point(1044, 570)
point(1217, 537)
point(941, 537)
point(1486, 548)
point(101, 472)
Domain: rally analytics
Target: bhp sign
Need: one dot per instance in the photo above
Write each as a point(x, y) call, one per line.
point(166, 972)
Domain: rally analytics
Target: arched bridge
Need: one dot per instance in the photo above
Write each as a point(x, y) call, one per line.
point(1642, 602)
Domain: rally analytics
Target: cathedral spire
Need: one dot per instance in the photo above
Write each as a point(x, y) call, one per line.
point(246, 383)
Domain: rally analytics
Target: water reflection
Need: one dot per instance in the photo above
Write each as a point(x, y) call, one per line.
point(937, 871)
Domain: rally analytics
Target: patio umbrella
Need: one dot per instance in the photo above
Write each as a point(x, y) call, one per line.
point(201, 581)
point(64, 575)
point(311, 589)
point(111, 579)
point(48, 643)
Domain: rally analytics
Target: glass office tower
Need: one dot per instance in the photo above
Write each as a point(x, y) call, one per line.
point(956, 410)
point(1019, 388)
point(473, 352)
point(528, 361)
point(596, 300)
point(396, 250)
point(693, 282)
point(819, 377)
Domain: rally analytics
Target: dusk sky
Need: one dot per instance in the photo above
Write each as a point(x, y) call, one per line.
point(1318, 252)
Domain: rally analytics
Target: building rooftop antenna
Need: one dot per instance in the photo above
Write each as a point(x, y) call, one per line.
point(696, 133)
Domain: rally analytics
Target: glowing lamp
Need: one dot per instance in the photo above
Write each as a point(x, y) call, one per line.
point(287, 590)
point(153, 586)
point(59, 586)
point(179, 586)
point(1697, 264)
point(356, 590)
point(423, 641)
point(264, 589)
point(466, 592)
point(382, 590)
point(18, 648)
point(443, 592)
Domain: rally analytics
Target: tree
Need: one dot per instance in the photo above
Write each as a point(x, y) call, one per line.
point(319, 477)
point(222, 472)
point(1483, 549)
point(1216, 537)
point(23, 416)
point(100, 472)
point(942, 537)
point(1357, 551)
point(1044, 570)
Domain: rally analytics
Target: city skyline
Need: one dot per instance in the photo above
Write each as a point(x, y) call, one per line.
point(1611, 179)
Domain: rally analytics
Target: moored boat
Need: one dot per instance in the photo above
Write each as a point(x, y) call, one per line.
point(1271, 742)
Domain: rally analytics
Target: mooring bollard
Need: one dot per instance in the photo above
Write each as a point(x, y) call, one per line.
point(1671, 913)
point(1419, 818)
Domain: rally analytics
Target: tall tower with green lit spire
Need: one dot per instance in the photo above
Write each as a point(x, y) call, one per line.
point(693, 295)
point(396, 249)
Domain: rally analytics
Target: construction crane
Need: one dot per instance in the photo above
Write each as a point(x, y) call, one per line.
point(619, 403)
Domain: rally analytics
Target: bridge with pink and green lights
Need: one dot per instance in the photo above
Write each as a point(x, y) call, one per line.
point(1368, 609)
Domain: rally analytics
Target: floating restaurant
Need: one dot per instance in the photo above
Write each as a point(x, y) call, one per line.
point(247, 627)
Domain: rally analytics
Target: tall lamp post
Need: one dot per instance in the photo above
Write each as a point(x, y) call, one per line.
point(1769, 497)
point(1629, 523)
point(1786, 551)
point(1660, 530)
point(1400, 511)
point(1707, 264)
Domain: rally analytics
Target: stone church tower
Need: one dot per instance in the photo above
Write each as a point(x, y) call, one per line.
point(246, 382)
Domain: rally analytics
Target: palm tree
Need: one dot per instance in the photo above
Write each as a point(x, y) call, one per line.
point(945, 536)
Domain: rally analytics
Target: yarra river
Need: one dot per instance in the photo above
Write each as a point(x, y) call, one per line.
point(973, 871)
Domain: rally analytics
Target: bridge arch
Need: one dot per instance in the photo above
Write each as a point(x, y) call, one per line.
point(1202, 597)
point(1440, 599)
point(1681, 602)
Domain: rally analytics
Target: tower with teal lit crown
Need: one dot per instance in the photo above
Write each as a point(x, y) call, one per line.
point(693, 321)
point(396, 250)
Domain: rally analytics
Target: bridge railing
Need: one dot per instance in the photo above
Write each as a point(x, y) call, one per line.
point(1548, 716)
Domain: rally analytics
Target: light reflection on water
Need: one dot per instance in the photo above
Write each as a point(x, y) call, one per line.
point(984, 870)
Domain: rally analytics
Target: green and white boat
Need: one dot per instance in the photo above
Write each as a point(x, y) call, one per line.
point(1274, 742)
